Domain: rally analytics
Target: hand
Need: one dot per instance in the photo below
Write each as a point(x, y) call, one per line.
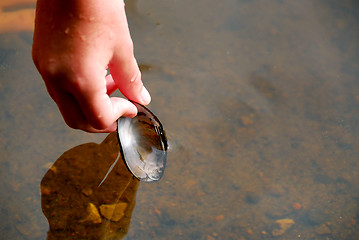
point(75, 41)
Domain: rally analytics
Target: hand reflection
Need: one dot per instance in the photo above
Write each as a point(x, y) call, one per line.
point(82, 199)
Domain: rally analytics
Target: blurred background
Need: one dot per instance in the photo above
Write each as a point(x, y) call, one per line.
point(259, 99)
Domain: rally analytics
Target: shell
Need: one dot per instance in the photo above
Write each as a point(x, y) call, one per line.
point(143, 144)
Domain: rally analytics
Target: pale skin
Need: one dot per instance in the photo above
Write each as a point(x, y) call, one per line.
point(75, 41)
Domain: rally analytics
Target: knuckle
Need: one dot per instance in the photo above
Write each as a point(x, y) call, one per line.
point(136, 79)
point(99, 122)
point(72, 124)
point(52, 70)
point(128, 43)
point(62, 75)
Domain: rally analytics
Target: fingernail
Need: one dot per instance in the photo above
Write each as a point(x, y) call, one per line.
point(145, 95)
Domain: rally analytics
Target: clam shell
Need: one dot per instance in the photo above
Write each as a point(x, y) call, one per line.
point(143, 144)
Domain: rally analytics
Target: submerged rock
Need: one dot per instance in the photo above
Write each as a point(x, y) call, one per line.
point(323, 230)
point(93, 215)
point(284, 225)
point(113, 212)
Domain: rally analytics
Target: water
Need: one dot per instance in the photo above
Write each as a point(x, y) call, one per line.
point(259, 99)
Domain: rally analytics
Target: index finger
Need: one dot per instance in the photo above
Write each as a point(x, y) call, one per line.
point(90, 90)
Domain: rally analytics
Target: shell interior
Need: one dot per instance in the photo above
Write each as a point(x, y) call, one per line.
point(143, 144)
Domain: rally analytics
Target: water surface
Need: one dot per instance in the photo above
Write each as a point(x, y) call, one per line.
point(259, 99)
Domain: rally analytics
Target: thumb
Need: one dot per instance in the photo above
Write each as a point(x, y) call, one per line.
point(127, 77)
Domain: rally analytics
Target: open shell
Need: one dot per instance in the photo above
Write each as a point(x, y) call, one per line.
point(143, 144)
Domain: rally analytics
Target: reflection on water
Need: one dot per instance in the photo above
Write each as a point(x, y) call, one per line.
point(260, 99)
point(74, 202)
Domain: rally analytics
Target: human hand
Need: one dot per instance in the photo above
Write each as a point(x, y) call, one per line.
point(75, 41)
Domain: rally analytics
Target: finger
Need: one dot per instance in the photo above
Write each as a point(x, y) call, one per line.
point(73, 116)
point(124, 69)
point(129, 82)
point(100, 110)
point(110, 84)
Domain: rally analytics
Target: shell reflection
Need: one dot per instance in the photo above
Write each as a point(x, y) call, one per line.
point(143, 144)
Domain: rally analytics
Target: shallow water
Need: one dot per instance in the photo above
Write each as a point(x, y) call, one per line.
point(259, 100)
